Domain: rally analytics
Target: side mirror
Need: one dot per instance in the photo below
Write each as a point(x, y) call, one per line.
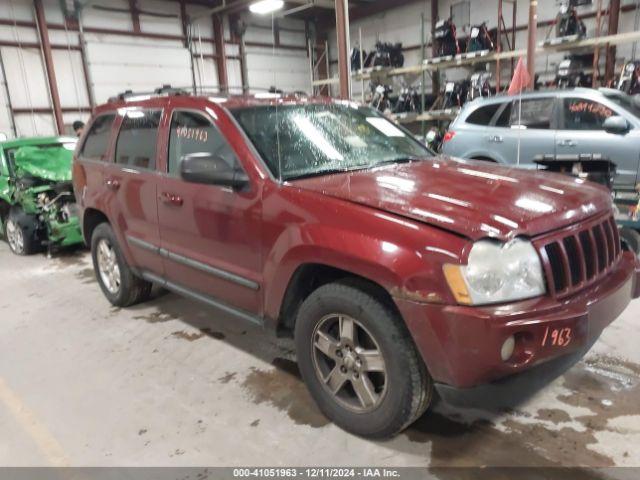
point(616, 124)
point(211, 169)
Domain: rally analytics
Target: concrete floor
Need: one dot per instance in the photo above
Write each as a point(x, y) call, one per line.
point(172, 383)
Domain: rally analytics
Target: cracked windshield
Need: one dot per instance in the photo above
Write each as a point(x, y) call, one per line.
point(299, 141)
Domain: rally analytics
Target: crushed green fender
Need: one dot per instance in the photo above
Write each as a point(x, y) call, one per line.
point(53, 164)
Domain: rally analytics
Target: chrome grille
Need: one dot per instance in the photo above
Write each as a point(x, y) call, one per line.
point(580, 255)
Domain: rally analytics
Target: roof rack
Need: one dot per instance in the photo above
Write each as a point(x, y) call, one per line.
point(168, 90)
point(163, 90)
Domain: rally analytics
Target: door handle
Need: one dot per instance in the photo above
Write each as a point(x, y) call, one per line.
point(496, 138)
point(112, 184)
point(171, 199)
point(566, 143)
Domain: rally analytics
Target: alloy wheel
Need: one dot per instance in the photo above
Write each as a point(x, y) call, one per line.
point(15, 236)
point(349, 363)
point(108, 267)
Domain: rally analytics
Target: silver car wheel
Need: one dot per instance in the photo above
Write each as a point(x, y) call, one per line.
point(349, 363)
point(108, 267)
point(15, 236)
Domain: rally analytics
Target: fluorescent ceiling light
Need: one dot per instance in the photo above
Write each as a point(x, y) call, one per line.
point(266, 6)
point(317, 138)
point(386, 127)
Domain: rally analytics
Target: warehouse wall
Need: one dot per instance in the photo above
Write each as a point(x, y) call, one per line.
point(403, 25)
point(117, 62)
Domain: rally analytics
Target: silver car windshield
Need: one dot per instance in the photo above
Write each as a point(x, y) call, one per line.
point(298, 141)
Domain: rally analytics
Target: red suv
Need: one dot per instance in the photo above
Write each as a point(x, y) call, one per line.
point(393, 269)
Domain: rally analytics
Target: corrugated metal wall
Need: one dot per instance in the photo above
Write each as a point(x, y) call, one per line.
point(120, 62)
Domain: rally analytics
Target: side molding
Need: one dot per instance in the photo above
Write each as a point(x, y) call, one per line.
point(189, 262)
point(179, 289)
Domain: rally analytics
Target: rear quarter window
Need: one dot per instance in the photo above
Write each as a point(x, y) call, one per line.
point(97, 142)
point(483, 115)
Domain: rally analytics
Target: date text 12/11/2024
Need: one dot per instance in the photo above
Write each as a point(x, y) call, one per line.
point(316, 472)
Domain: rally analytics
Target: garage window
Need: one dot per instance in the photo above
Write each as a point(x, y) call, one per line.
point(137, 140)
point(581, 114)
point(97, 141)
point(537, 113)
point(483, 115)
point(192, 132)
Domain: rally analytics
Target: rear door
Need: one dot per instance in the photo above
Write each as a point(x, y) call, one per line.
point(495, 133)
point(131, 182)
point(581, 132)
point(211, 235)
point(531, 130)
point(92, 155)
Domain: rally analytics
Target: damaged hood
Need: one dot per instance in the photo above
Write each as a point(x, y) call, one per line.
point(49, 163)
point(473, 199)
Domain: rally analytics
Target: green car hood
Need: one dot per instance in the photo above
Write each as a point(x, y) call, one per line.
point(52, 163)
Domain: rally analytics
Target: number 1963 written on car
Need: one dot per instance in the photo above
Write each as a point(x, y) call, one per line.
point(557, 337)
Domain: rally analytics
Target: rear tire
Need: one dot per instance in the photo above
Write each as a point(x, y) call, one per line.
point(21, 232)
point(116, 279)
point(372, 383)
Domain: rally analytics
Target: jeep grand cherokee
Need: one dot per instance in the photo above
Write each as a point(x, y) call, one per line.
point(393, 269)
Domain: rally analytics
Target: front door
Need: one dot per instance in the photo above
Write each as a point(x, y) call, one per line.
point(210, 234)
point(582, 132)
point(131, 187)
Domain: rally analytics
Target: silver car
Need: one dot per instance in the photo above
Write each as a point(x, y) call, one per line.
point(556, 122)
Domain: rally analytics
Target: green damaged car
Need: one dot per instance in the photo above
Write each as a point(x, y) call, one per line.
point(37, 205)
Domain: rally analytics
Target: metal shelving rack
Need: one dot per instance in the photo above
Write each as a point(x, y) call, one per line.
point(460, 60)
point(425, 67)
point(431, 65)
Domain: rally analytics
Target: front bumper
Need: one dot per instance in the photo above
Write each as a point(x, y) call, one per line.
point(461, 345)
point(65, 234)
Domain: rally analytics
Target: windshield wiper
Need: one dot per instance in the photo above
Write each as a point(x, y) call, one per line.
point(319, 173)
point(397, 160)
point(331, 171)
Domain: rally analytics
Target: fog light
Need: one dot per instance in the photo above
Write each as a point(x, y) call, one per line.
point(507, 349)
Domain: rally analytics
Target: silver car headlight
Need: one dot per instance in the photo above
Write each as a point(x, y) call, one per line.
point(497, 273)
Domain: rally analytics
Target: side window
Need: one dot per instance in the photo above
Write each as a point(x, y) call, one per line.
point(581, 114)
point(136, 146)
point(483, 115)
point(504, 117)
point(192, 132)
point(537, 113)
point(97, 141)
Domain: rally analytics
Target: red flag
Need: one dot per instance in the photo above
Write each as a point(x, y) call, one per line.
point(520, 80)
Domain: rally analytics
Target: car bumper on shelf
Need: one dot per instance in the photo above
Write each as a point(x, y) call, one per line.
point(462, 345)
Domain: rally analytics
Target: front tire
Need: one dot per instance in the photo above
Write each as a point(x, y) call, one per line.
point(116, 279)
point(20, 232)
point(359, 361)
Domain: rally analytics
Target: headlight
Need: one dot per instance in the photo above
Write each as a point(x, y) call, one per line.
point(497, 273)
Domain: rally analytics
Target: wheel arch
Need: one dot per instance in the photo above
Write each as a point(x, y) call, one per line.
point(90, 220)
point(484, 158)
point(308, 277)
point(4, 209)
